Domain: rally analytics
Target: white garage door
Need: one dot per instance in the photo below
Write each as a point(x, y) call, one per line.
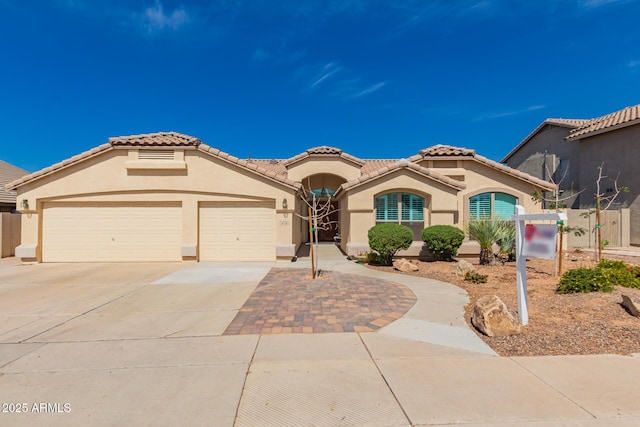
point(83, 232)
point(237, 232)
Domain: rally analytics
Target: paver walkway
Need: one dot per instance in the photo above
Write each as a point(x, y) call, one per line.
point(290, 301)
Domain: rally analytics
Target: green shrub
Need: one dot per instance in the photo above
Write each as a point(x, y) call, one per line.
point(475, 277)
point(584, 280)
point(388, 239)
point(374, 258)
point(443, 241)
point(610, 263)
point(487, 232)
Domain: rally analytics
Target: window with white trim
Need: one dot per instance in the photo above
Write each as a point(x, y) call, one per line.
point(492, 205)
point(403, 208)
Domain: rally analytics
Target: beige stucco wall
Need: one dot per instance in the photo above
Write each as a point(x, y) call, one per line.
point(106, 178)
point(440, 200)
point(315, 165)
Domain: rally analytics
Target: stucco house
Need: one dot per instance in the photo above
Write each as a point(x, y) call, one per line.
point(574, 149)
point(169, 197)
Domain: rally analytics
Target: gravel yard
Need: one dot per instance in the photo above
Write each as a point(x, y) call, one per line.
point(592, 323)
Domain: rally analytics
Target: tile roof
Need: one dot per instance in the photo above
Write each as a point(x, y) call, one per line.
point(446, 150)
point(249, 165)
point(323, 150)
point(439, 150)
point(63, 164)
point(568, 123)
point(625, 117)
point(8, 173)
point(162, 139)
point(158, 139)
point(403, 164)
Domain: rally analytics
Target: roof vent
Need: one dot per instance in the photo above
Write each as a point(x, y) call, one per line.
point(156, 155)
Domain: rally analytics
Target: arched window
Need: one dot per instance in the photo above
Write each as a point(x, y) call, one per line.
point(492, 205)
point(404, 208)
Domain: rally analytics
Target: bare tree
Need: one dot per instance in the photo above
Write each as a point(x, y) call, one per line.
point(319, 215)
point(556, 202)
point(602, 198)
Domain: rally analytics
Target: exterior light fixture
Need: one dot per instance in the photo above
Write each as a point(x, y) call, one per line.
point(284, 203)
point(25, 204)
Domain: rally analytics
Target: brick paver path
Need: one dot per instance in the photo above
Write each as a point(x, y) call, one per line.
point(289, 301)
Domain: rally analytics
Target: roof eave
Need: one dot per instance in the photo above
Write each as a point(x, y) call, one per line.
point(585, 135)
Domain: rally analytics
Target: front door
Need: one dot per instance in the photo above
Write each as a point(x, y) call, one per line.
point(330, 229)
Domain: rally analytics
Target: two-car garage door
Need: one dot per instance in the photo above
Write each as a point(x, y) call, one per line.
point(103, 232)
point(87, 232)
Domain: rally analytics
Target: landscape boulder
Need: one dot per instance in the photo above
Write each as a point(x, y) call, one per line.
point(492, 317)
point(462, 267)
point(632, 306)
point(404, 265)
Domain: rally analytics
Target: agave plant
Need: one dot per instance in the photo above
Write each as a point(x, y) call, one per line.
point(487, 232)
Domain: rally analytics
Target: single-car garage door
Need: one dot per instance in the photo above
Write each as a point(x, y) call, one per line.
point(237, 232)
point(86, 232)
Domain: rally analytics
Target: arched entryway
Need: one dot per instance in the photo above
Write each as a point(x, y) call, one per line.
point(322, 187)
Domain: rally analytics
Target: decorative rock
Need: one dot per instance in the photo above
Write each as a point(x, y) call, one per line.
point(404, 265)
point(463, 267)
point(493, 318)
point(633, 307)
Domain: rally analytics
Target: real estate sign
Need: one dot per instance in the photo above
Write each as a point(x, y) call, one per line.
point(540, 241)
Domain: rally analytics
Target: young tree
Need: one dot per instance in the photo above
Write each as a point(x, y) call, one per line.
point(319, 211)
point(556, 202)
point(607, 200)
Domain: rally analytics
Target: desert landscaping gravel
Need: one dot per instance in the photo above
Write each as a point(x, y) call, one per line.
point(591, 323)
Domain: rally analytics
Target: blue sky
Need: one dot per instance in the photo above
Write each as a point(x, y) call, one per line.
point(268, 79)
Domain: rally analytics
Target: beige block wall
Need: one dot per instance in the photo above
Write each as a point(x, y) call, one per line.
point(9, 233)
point(107, 178)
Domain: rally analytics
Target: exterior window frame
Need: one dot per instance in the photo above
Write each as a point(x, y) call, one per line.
point(491, 206)
point(397, 215)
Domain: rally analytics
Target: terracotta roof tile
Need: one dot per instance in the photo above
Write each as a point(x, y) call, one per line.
point(248, 165)
point(625, 117)
point(465, 153)
point(399, 164)
point(323, 150)
point(75, 159)
point(9, 173)
point(158, 139)
point(446, 150)
point(568, 123)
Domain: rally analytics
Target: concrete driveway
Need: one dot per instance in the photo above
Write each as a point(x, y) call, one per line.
point(141, 344)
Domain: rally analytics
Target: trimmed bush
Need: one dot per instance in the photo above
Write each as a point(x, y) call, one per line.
point(388, 239)
point(443, 241)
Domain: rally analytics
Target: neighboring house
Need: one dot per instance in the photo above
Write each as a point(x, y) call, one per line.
point(574, 149)
point(170, 197)
point(8, 173)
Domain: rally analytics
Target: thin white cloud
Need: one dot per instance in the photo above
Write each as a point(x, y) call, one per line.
point(592, 4)
point(635, 63)
point(260, 55)
point(154, 19)
point(325, 73)
point(371, 89)
point(503, 114)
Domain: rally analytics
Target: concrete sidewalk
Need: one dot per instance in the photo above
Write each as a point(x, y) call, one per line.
point(140, 344)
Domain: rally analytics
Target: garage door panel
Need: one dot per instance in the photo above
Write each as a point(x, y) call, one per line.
point(242, 232)
point(101, 232)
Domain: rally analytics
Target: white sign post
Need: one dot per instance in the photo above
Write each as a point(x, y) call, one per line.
point(536, 241)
